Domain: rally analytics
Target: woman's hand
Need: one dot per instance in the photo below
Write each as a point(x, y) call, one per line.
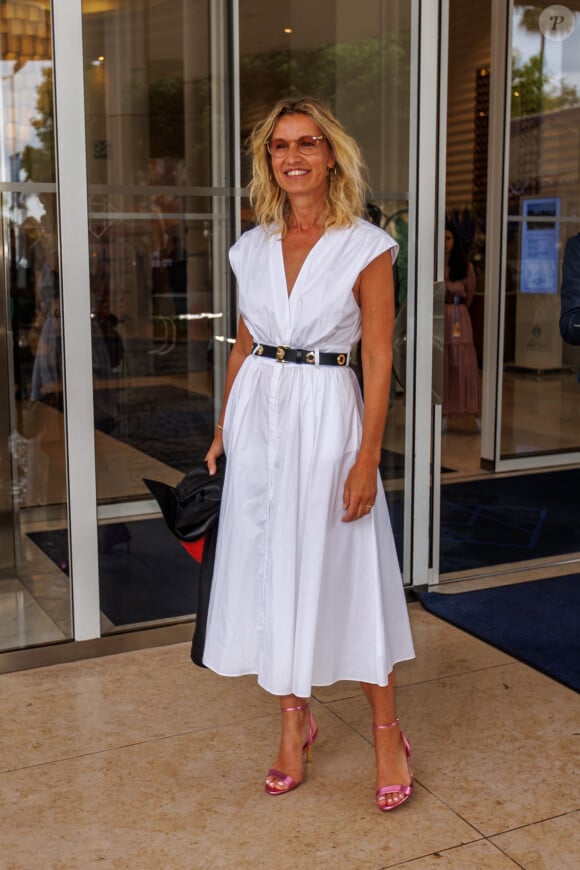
point(216, 449)
point(360, 489)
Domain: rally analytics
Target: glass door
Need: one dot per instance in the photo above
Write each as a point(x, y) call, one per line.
point(160, 220)
point(35, 595)
point(515, 203)
point(532, 390)
point(540, 395)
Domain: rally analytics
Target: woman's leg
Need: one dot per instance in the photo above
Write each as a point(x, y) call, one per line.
point(392, 766)
point(294, 735)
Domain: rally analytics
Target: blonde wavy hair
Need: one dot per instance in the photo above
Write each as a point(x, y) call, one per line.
point(347, 187)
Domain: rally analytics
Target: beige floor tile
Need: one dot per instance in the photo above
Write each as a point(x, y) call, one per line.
point(494, 745)
point(441, 650)
point(550, 845)
point(197, 801)
point(337, 692)
point(68, 710)
point(475, 856)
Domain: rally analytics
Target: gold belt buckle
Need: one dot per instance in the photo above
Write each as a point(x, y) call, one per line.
point(259, 350)
point(281, 353)
point(341, 359)
point(310, 357)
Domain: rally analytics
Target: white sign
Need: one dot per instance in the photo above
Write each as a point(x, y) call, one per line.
point(539, 251)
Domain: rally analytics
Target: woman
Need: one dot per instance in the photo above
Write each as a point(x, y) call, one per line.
point(461, 387)
point(306, 587)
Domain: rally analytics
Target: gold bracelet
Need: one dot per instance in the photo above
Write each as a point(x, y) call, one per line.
point(220, 427)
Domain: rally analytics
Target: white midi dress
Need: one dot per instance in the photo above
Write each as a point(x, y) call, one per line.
point(299, 597)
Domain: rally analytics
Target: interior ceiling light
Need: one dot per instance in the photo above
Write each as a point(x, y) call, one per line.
point(98, 7)
point(288, 30)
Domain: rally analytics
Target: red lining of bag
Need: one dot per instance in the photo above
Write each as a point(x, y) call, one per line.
point(195, 548)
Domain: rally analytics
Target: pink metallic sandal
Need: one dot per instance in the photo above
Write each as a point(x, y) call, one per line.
point(289, 782)
point(405, 790)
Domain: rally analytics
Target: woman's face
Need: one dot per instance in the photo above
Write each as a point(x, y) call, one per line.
point(296, 172)
point(448, 241)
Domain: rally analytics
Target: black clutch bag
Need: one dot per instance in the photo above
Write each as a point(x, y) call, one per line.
point(191, 510)
point(192, 507)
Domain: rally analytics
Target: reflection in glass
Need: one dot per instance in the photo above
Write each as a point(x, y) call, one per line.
point(34, 587)
point(148, 154)
point(541, 400)
point(157, 289)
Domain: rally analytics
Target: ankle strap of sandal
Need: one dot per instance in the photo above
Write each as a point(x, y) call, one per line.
point(292, 709)
point(390, 725)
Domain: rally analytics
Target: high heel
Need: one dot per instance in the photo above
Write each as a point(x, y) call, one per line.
point(289, 783)
point(405, 790)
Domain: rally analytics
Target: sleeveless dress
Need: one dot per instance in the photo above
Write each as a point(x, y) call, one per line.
point(299, 597)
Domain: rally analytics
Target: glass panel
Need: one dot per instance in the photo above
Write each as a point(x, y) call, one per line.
point(468, 93)
point(355, 57)
point(34, 588)
point(468, 109)
point(159, 292)
point(541, 407)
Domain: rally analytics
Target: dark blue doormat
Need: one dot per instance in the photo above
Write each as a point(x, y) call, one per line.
point(171, 424)
point(144, 572)
point(536, 622)
point(509, 519)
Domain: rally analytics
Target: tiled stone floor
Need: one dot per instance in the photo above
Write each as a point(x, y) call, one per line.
point(141, 760)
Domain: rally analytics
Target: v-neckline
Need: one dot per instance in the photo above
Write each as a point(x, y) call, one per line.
point(290, 293)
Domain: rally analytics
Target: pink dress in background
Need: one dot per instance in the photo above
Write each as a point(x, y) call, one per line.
point(461, 383)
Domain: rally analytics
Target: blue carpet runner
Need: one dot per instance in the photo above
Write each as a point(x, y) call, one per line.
point(536, 622)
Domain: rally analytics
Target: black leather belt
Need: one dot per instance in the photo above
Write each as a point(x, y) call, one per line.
point(299, 355)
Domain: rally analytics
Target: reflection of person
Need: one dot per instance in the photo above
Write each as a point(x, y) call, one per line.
point(27, 255)
point(47, 370)
point(570, 311)
point(461, 387)
point(306, 588)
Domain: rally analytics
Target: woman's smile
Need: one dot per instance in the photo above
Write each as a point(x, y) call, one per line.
point(296, 171)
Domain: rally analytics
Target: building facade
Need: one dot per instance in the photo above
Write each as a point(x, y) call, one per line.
point(123, 176)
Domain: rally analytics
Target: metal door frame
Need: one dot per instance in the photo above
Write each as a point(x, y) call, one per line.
point(9, 508)
point(426, 222)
